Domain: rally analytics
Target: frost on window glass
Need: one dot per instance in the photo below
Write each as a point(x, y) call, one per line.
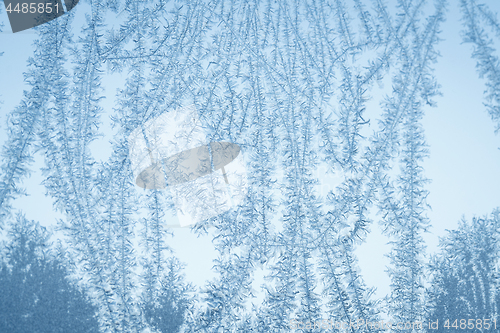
point(287, 133)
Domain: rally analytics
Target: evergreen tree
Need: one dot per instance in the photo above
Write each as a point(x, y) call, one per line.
point(37, 294)
point(465, 277)
point(167, 313)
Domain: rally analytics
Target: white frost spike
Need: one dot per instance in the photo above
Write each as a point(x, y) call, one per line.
point(205, 179)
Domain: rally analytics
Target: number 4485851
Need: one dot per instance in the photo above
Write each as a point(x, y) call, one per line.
point(471, 324)
point(33, 8)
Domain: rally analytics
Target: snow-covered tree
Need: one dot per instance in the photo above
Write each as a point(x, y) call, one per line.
point(37, 294)
point(465, 277)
